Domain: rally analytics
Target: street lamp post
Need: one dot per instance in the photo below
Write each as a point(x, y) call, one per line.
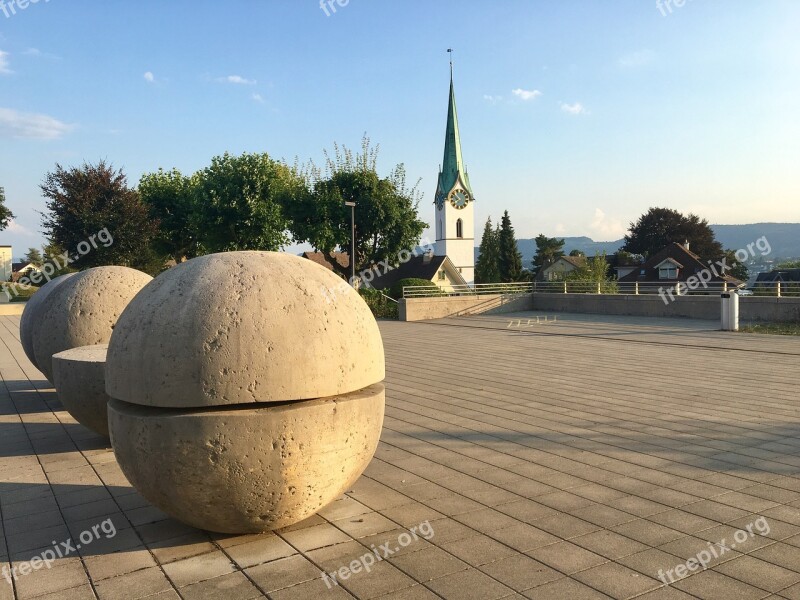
point(352, 206)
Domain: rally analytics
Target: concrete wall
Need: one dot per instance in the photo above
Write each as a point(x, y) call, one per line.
point(420, 309)
point(751, 308)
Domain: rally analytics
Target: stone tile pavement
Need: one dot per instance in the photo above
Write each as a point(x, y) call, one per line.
point(575, 459)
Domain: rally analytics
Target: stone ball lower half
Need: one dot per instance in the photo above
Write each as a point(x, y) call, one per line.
point(79, 379)
point(247, 469)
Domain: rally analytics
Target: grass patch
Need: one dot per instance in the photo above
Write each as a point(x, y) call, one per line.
point(20, 293)
point(790, 328)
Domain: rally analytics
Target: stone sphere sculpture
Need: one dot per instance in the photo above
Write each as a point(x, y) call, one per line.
point(246, 390)
point(82, 311)
point(79, 378)
point(32, 312)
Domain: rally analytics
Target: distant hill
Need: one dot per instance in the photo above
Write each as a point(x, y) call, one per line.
point(783, 237)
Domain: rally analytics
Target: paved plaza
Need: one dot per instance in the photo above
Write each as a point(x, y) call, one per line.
point(590, 457)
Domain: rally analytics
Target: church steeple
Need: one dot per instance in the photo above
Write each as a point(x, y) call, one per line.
point(453, 163)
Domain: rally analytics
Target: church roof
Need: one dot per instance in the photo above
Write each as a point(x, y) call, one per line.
point(453, 163)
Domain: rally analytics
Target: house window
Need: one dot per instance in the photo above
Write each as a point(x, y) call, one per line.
point(441, 276)
point(459, 229)
point(668, 272)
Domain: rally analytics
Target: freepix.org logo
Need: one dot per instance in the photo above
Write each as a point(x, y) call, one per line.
point(10, 7)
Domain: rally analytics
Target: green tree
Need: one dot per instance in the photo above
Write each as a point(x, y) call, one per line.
point(34, 257)
point(83, 201)
point(240, 203)
point(510, 258)
point(577, 252)
point(5, 213)
point(789, 264)
point(660, 227)
point(736, 268)
point(170, 198)
point(386, 214)
point(548, 251)
point(487, 267)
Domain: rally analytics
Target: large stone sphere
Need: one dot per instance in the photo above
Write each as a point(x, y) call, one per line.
point(79, 379)
point(246, 469)
point(82, 311)
point(32, 312)
point(245, 390)
point(243, 327)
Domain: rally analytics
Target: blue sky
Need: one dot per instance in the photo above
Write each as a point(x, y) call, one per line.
point(575, 116)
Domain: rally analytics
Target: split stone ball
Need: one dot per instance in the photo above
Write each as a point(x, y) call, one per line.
point(32, 312)
point(79, 378)
point(246, 390)
point(82, 311)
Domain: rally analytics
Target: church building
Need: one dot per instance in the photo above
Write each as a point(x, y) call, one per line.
point(454, 210)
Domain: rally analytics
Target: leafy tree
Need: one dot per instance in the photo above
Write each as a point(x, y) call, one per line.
point(594, 270)
point(660, 227)
point(548, 251)
point(34, 257)
point(386, 213)
point(240, 203)
point(5, 213)
point(396, 289)
point(736, 268)
point(789, 264)
point(577, 252)
point(487, 267)
point(510, 261)
point(171, 200)
point(83, 201)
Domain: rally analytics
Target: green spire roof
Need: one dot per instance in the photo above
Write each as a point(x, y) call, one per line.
point(453, 163)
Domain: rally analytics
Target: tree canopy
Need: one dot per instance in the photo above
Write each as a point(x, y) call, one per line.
point(34, 257)
point(171, 200)
point(386, 212)
point(487, 267)
point(5, 213)
point(660, 227)
point(510, 262)
point(548, 251)
point(240, 203)
point(83, 201)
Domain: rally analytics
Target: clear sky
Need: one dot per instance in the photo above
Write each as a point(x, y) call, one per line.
point(576, 116)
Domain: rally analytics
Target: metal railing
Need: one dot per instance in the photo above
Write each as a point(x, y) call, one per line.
point(480, 289)
point(776, 289)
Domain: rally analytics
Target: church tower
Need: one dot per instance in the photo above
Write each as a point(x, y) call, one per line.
point(455, 216)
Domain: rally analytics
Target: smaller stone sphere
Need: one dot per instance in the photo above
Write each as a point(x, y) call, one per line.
point(32, 312)
point(79, 378)
point(247, 469)
point(82, 311)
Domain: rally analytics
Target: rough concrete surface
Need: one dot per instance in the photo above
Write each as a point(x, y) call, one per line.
point(238, 470)
point(79, 379)
point(82, 311)
point(32, 312)
point(243, 328)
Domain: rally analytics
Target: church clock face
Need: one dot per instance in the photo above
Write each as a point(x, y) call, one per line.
point(459, 198)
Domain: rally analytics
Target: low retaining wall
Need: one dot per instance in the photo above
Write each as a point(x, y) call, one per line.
point(11, 308)
point(751, 308)
point(421, 309)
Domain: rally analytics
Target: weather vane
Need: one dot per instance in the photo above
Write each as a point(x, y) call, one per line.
point(450, 52)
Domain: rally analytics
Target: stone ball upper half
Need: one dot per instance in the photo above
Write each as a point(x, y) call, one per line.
point(82, 310)
point(32, 313)
point(243, 327)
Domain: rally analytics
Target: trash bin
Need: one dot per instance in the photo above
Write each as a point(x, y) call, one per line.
point(730, 311)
